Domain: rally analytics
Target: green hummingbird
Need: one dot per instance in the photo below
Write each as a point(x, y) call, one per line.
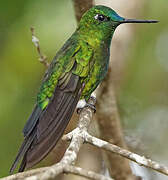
point(75, 72)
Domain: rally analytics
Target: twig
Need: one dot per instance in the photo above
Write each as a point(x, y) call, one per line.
point(35, 40)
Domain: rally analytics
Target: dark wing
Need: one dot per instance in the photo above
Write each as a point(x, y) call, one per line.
point(45, 127)
point(54, 120)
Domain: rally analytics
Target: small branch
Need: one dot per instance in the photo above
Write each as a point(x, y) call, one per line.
point(63, 168)
point(85, 173)
point(141, 160)
point(35, 40)
point(60, 168)
point(25, 174)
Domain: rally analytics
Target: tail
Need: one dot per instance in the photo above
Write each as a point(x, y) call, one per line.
point(23, 149)
point(23, 164)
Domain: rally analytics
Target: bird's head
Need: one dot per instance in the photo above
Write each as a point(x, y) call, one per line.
point(100, 22)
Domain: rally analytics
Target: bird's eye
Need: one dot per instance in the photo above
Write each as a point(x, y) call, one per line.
point(101, 18)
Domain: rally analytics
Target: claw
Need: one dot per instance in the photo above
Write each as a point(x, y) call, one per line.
point(91, 106)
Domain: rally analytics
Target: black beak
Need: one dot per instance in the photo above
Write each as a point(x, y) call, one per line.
point(137, 21)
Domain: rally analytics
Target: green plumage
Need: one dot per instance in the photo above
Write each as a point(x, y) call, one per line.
point(75, 72)
point(88, 49)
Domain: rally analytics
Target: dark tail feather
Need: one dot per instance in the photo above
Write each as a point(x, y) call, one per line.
point(23, 149)
point(23, 164)
point(32, 121)
point(29, 134)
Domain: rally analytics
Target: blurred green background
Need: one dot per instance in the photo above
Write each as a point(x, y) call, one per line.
point(143, 96)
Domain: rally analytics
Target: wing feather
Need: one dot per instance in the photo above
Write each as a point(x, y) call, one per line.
point(49, 130)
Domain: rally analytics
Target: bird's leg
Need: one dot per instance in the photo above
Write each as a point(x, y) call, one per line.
point(82, 104)
point(91, 106)
point(93, 98)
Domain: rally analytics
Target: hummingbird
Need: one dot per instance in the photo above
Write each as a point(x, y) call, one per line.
point(75, 72)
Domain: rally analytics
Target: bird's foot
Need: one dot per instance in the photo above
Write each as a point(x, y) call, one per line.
point(92, 107)
point(82, 104)
point(93, 97)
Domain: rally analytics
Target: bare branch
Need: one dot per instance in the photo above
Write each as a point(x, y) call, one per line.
point(58, 169)
point(85, 173)
point(25, 174)
point(63, 168)
point(35, 40)
point(141, 160)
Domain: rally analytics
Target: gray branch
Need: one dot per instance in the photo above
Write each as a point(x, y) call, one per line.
point(52, 172)
point(141, 160)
